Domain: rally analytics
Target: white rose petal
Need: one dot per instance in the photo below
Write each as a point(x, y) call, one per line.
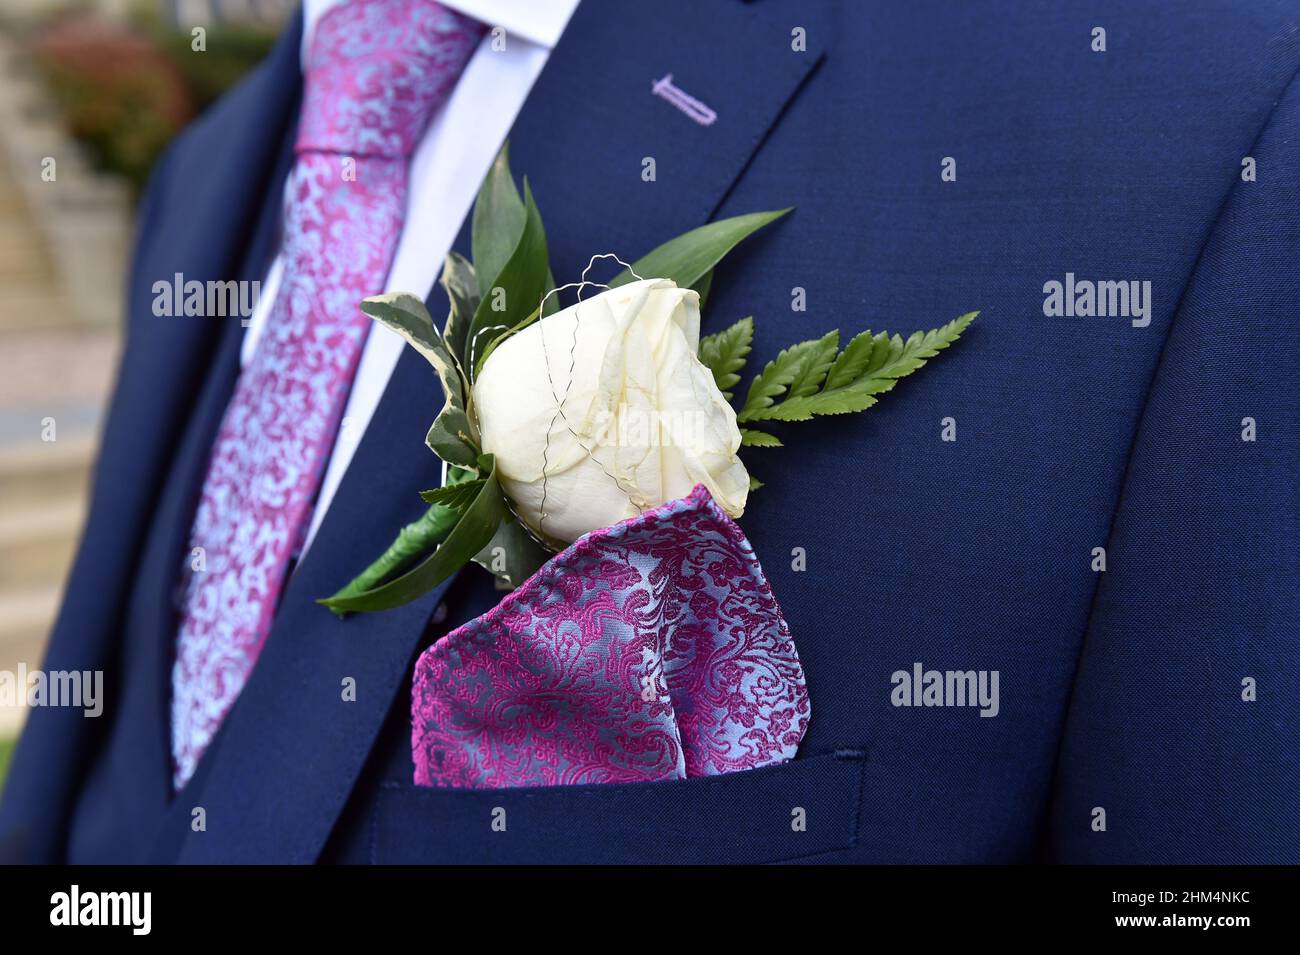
point(643, 421)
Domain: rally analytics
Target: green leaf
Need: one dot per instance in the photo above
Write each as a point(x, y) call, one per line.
point(688, 258)
point(512, 555)
point(453, 436)
point(499, 216)
point(412, 540)
point(552, 303)
point(796, 363)
point(724, 353)
point(703, 287)
point(753, 438)
point(853, 384)
point(474, 529)
point(462, 292)
point(456, 496)
point(855, 359)
point(460, 475)
point(522, 281)
point(754, 483)
point(814, 364)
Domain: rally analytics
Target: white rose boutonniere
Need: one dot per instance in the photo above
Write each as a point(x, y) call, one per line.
point(559, 421)
point(605, 410)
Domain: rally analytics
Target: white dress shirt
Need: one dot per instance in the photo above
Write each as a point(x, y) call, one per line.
point(447, 168)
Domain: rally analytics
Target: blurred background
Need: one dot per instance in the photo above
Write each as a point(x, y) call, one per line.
point(90, 93)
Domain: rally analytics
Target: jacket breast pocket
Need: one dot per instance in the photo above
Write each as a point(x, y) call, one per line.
point(799, 809)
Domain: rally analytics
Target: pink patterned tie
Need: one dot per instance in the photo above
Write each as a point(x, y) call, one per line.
point(376, 72)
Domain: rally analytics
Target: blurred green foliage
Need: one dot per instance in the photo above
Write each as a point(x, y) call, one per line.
point(124, 92)
point(232, 52)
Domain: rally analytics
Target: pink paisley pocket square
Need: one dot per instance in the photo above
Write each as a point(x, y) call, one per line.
point(649, 650)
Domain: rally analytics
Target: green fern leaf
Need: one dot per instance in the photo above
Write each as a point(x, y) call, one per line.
point(816, 363)
point(724, 353)
point(856, 358)
point(455, 496)
point(753, 438)
point(868, 366)
point(844, 400)
point(793, 364)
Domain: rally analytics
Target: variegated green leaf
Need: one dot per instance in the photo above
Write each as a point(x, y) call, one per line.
point(462, 292)
point(453, 436)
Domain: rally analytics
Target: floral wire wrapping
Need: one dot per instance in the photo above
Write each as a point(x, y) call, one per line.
point(539, 537)
point(559, 402)
point(650, 650)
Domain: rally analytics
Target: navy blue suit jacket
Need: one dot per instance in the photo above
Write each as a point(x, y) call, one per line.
point(1124, 694)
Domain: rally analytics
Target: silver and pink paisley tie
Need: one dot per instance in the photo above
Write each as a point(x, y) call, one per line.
point(376, 72)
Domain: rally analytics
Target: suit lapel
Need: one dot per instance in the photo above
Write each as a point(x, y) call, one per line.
point(293, 746)
point(593, 121)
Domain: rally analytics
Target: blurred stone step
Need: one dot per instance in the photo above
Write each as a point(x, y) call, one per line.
point(37, 543)
point(25, 304)
point(22, 256)
point(38, 475)
point(25, 618)
point(59, 372)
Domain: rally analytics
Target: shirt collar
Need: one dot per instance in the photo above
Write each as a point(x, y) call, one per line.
point(537, 21)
